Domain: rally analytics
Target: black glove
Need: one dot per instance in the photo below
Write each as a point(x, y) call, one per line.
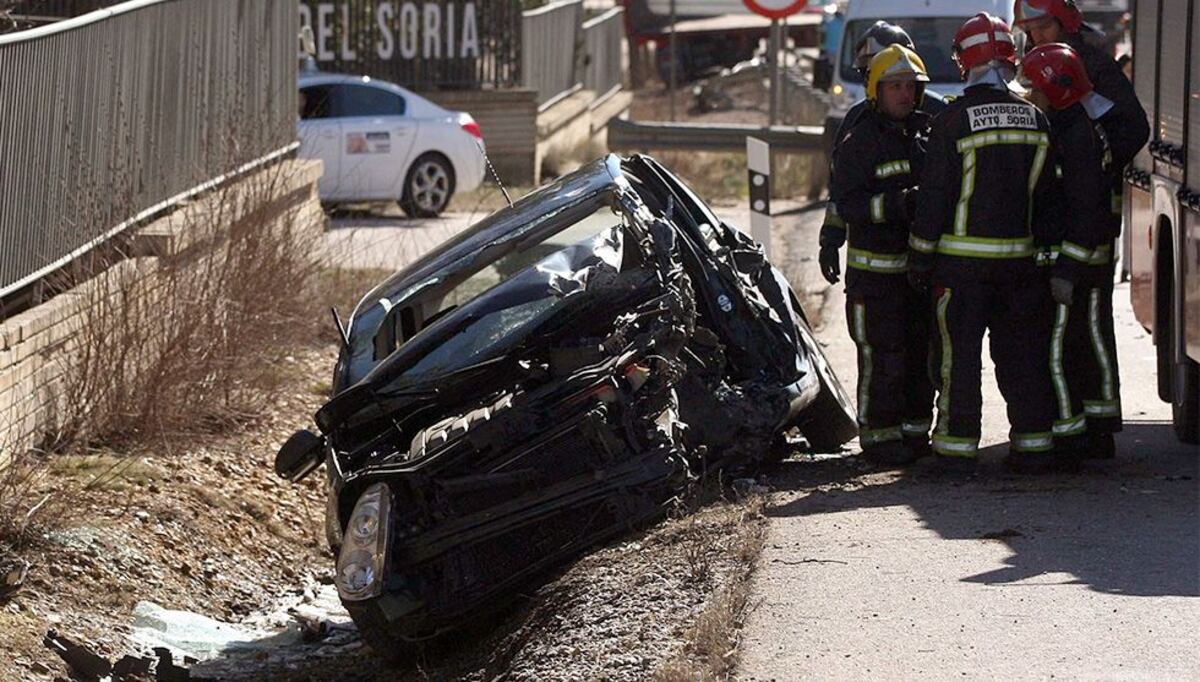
point(831, 268)
point(832, 235)
point(1063, 290)
point(919, 279)
point(832, 238)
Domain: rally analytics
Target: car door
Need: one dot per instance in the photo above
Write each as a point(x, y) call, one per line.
point(377, 135)
point(320, 136)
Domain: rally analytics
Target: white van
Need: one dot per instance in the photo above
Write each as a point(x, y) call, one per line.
point(931, 24)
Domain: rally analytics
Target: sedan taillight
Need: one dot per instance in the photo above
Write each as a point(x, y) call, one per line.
point(468, 124)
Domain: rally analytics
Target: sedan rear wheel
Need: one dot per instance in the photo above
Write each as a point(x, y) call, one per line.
point(428, 187)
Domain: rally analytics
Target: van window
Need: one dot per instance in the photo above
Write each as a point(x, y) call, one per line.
point(933, 37)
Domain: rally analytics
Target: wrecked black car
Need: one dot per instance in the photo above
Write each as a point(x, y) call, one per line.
point(548, 379)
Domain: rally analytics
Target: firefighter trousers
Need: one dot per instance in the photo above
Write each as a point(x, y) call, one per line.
point(1083, 362)
point(1015, 313)
point(890, 328)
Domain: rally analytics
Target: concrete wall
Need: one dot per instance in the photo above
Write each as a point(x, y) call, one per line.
point(39, 347)
point(519, 138)
point(508, 119)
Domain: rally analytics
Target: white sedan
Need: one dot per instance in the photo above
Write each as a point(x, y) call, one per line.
point(380, 142)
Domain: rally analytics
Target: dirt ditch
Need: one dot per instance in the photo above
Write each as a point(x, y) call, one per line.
point(209, 530)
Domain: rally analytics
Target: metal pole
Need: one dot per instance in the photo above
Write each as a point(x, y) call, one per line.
point(674, 56)
point(773, 65)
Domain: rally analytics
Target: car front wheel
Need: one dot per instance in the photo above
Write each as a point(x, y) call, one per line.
point(428, 186)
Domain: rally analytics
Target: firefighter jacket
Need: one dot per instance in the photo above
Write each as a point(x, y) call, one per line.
point(985, 188)
point(1083, 227)
point(873, 188)
point(1126, 124)
point(931, 104)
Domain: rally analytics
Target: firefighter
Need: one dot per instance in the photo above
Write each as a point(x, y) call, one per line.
point(1083, 348)
point(833, 231)
point(1125, 122)
point(1114, 105)
point(984, 192)
point(874, 187)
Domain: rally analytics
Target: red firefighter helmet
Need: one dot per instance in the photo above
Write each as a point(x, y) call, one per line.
point(1066, 11)
point(1057, 71)
point(981, 39)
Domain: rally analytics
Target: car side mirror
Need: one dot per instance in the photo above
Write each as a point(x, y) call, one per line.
point(299, 456)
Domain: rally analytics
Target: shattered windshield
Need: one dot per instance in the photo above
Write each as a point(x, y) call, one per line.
point(524, 301)
point(553, 254)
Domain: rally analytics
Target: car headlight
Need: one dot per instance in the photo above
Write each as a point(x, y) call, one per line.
point(841, 97)
point(362, 558)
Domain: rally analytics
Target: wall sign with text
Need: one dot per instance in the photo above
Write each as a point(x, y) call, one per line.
point(427, 44)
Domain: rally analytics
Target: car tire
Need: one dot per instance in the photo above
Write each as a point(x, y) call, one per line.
point(377, 633)
point(829, 421)
point(1185, 406)
point(428, 186)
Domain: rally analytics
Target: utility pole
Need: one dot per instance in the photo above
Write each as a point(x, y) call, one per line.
point(773, 46)
point(674, 57)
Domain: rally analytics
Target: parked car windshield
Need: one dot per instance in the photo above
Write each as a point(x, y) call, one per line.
point(574, 241)
point(933, 37)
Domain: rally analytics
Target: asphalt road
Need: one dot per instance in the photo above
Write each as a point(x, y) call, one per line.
point(892, 575)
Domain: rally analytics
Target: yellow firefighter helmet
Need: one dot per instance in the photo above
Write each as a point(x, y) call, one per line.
point(894, 63)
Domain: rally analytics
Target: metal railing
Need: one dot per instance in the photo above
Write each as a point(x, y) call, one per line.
point(550, 50)
point(603, 38)
point(634, 136)
point(112, 116)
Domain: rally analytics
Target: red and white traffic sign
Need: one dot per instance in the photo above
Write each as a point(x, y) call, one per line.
point(775, 9)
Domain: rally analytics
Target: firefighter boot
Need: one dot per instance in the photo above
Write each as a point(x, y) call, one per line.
point(1101, 446)
point(1038, 463)
point(918, 446)
point(946, 466)
point(890, 454)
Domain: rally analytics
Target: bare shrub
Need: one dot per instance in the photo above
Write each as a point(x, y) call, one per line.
point(185, 342)
point(26, 509)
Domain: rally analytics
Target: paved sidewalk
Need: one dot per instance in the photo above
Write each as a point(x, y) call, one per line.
point(885, 575)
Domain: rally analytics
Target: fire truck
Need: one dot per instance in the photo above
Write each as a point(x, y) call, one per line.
point(1162, 201)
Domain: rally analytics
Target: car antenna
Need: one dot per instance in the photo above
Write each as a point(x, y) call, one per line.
point(495, 175)
point(337, 321)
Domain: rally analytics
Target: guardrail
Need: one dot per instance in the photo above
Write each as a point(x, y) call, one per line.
point(112, 116)
point(550, 47)
point(603, 38)
point(633, 136)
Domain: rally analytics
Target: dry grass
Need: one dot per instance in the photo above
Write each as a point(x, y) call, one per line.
point(24, 513)
point(721, 177)
point(182, 344)
point(160, 348)
point(559, 161)
point(711, 644)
